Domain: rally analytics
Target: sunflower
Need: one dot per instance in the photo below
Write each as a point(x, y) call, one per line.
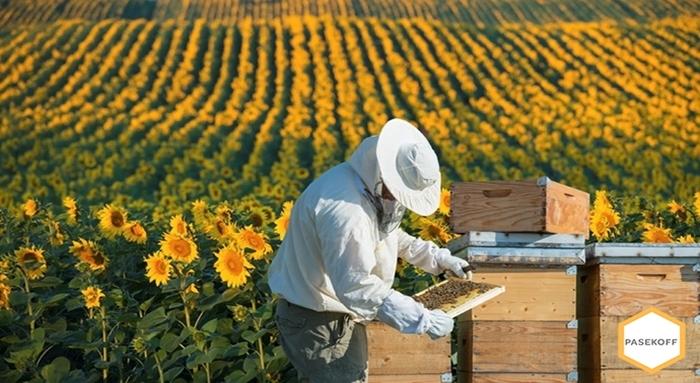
point(71, 210)
point(603, 217)
point(675, 207)
point(56, 237)
point(134, 232)
point(302, 173)
point(88, 253)
point(656, 234)
point(282, 223)
point(601, 197)
point(603, 220)
point(4, 293)
point(112, 220)
point(192, 289)
point(257, 217)
point(434, 230)
point(158, 268)
point(240, 312)
point(199, 211)
point(268, 214)
point(178, 248)
point(223, 211)
point(30, 208)
point(688, 238)
point(444, 202)
point(31, 261)
point(250, 239)
point(178, 225)
point(214, 191)
point(92, 296)
point(232, 265)
point(219, 229)
point(696, 203)
point(248, 203)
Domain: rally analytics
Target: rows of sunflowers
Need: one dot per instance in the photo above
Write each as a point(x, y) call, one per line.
point(101, 294)
point(135, 110)
point(477, 13)
point(201, 121)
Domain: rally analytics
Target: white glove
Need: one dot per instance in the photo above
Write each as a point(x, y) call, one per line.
point(404, 314)
point(447, 261)
point(440, 324)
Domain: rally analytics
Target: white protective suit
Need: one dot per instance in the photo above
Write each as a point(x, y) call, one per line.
point(334, 258)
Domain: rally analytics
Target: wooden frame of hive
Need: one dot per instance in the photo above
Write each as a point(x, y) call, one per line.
point(620, 280)
point(527, 334)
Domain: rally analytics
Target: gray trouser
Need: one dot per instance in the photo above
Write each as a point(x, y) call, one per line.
point(322, 346)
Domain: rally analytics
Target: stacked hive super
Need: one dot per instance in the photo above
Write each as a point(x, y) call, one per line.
point(528, 236)
point(619, 282)
point(405, 358)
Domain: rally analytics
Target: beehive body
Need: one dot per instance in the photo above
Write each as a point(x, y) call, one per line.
point(621, 280)
point(519, 206)
point(404, 358)
point(528, 333)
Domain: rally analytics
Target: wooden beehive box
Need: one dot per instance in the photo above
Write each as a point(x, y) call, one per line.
point(528, 333)
point(620, 280)
point(519, 206)
point(406, 358)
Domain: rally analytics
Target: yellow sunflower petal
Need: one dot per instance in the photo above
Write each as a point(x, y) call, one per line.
point(31, 260)
point(282, 223)
point(5, 296)
point(158, 268)
point(178, 248)
point(88, 253)
point(134, 232)
point(232, 266)
point(656, 234)
point(248, 238)
point(178, 225)
point(112, 220)
point(92, 296)
point(30, 208)
point(444, 202)
point(71, 209)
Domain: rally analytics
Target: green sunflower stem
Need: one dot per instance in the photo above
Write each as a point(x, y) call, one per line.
point(104, 342)
point(187, 316)
point(188, 321)
point(208, 371)
point(261, 353)
point(161, 379)
point(30, 310)
point(183, 295)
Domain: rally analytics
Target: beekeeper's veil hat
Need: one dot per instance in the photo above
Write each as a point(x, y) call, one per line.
point(409, 167)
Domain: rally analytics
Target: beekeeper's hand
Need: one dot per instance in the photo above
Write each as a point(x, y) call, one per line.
point(449, 262)
point(404, 314)
point(440, 325)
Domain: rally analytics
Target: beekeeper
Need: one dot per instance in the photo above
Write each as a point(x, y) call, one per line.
point(334, 270)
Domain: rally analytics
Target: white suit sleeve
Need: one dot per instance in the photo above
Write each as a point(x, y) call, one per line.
point(418, 252)
point(404, 314)
point(348, 257)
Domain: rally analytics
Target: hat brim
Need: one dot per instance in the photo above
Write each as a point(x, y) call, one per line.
point(393, 135)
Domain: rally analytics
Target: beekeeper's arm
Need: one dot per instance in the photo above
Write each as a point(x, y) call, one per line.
point(349, 258)
point(428, 256)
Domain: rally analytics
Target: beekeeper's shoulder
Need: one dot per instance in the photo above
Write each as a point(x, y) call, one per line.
point(340, 196)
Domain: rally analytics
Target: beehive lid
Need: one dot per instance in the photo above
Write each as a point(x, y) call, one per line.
point(482, 247)
point(643, 253)
point(481, 293)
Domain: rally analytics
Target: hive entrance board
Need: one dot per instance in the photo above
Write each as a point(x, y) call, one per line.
point(456, 296)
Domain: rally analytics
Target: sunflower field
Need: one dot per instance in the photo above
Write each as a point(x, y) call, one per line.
point(151, 151)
